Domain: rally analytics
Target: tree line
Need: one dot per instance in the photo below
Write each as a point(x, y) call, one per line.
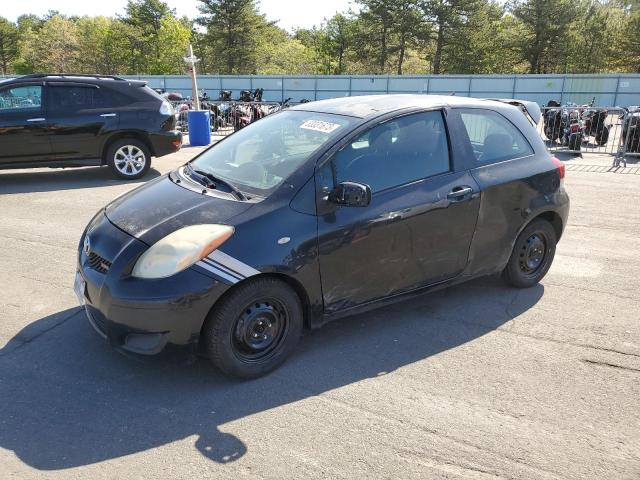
point(377, 37)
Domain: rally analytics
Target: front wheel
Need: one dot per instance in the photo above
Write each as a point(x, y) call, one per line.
point(603, 138)
point(129, 158)
point(253, 329)
point(532, 255)
point(575, 142)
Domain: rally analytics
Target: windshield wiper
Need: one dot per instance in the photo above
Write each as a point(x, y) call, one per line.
point(209, 180)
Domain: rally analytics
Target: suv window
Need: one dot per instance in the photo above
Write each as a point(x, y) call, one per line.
point(75, 98)
point(493, 137)
point(395, 152)
point(21, 98)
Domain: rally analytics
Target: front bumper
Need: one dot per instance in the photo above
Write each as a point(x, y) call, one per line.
point(139, 315)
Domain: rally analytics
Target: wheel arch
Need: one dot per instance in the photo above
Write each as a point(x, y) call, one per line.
point(295, 285)
point(137, 135)
point(553, 218)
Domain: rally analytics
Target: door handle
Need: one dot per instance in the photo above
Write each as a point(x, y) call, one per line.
point(35, 120)
point(104, 115)
point(459, 193)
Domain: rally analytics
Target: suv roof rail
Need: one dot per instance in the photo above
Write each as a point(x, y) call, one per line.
point(82, 75)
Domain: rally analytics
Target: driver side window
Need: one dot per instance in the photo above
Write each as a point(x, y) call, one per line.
point(396, 152)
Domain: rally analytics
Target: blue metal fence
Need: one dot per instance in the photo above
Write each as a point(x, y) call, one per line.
point(608, 90)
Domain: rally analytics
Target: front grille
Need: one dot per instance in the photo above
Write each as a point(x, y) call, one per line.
point(98, 263)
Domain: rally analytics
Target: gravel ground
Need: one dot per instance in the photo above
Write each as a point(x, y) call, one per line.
point(476, 381)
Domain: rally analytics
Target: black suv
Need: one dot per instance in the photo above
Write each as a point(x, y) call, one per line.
point(78, 120)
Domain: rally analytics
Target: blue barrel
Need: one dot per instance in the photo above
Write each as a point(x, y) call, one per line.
point(199, 128)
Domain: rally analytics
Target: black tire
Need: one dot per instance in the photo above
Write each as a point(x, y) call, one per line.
point(123, 167)
point(231, 329)
point(575, 142)
point(603, 138)
point(530, 260)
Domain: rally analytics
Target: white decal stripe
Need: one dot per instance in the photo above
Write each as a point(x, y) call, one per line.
point(217, 272)
point(232, 263)
point(210, 262)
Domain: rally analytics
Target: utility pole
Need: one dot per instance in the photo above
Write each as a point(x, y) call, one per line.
point(191, 61)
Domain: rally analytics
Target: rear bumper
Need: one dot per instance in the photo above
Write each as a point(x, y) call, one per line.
point(165, 143)
point(563, 204)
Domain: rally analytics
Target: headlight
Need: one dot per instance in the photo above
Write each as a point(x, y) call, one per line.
point(180, 250)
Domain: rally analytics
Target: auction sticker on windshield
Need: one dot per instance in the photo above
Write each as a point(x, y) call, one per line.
point(320, 126)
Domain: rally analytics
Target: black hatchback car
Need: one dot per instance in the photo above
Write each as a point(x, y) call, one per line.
point(319, 211)
point(80, 120)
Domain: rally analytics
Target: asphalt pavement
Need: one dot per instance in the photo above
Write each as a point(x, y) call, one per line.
point(475, 381)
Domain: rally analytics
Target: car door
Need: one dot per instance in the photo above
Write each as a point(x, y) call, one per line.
point(419, 225)
point(24, 135)
point(503, 164)
point(78, 115)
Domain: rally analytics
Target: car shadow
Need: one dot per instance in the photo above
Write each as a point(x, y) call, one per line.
point(67, 399)
point(50, 180)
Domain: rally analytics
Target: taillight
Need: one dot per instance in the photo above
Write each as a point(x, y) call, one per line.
point(559, 165)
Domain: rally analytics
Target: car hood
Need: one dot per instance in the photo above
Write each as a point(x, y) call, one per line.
point(161, 207)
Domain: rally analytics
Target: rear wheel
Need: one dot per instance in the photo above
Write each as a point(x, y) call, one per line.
point(532, 255)
point(129, 158)
point(253, 329)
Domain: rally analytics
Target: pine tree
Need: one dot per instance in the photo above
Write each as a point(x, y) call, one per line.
point(233, 32)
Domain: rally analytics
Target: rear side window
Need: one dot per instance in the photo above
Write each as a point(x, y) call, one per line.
point(26, 98)
point(396, 152)
point(112, 98)
point(73, 98)
point(493, 137)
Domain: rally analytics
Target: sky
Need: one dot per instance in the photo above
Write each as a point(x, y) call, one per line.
point(291, 13)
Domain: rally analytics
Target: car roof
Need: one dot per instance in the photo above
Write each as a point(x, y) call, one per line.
point(366, 106)
point(77, 78)
point(68, 76)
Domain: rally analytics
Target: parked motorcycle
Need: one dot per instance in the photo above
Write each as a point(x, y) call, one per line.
point(251, 96)
point(631, 130)
point(552, 121)
point(595, 123)
point(564, 124)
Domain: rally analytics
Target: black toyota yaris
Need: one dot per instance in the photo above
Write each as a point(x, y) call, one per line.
point(320, 211)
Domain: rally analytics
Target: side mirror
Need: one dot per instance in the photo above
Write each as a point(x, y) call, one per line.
point(351, 194)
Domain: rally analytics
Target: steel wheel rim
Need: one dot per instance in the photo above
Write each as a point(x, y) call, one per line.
point(533, 254)
point(259, 331)
point(129, 160)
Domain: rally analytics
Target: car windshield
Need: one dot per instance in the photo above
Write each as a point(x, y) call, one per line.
point(258, 158)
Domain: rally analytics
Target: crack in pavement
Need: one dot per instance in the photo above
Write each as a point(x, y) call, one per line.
point(18, 342)
point(46, 282)
point(594, 290)
point(608, 364)
point(25, 240)
point(600, 226)
point(447, 465)
point(508, 329)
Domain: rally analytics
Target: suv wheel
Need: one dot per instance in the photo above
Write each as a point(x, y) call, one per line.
point(129, 158)
point(532, 255)
point(254, 329)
